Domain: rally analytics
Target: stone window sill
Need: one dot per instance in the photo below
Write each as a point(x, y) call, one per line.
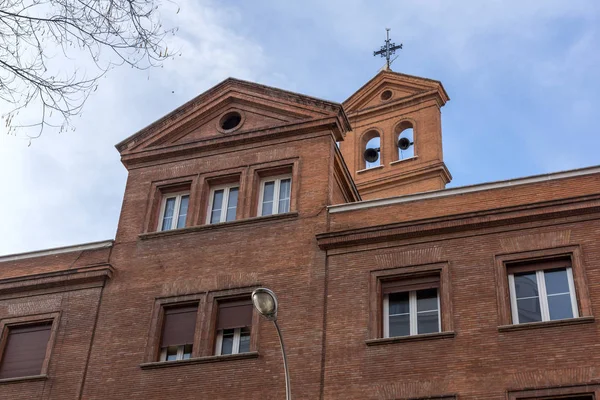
point(412, 338)
point(413, 158)
point(546, 324)
point(23, 379)
point(199, 360)
point(221, 225)
point(369, 169)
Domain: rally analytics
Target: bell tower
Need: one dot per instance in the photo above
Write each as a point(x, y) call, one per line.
point(395, 146)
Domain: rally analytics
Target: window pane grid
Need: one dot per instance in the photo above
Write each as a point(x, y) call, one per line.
point(232, 199)
point(174, 212)
point(223, 204)
point(182, 215)
point(176, 353)
point(545, 306)
point(169, 210)
point(413, 322)
point(232, 341)
point(275, 196)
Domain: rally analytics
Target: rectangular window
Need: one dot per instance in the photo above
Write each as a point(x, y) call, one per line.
point(542, 291)
point(275, 195)
point(222, 205)
point(177, 338)
point(411, 306)
point(25, 350)
point(173, 211)
point(234, 324)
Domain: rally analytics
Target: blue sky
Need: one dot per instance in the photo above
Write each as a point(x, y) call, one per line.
point(523, 78)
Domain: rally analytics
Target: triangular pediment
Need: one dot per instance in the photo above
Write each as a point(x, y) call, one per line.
point(257, 107)
point(254, 117)
point(388, 87)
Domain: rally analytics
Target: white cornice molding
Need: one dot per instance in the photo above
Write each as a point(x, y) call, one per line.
point(463, 190)
point(58, 250)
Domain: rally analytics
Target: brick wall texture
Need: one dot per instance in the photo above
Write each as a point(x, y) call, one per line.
point(320, 260)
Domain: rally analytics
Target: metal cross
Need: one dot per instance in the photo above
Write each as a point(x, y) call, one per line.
point(387, 50)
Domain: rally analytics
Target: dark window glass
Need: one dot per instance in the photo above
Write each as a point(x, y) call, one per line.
point(399, 325)
point(183, 208)
point(556, 281)
point(399, 314)
point(245, 340)
point(526, 285)
point(529, 310)
point(427, 300)
point(168, 216)
point(398, 303)
point(227, 346)
point(215, 215)
point(268, 193)
point(560, 306)
point(427, 311)
point(232, 204)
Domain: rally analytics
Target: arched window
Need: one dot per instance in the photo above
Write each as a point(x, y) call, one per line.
point(371, 141)
point(405, 140)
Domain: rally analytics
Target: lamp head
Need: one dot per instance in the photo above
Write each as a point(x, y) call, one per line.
point(265, 302)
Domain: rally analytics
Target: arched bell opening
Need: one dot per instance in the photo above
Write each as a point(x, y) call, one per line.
point(405, 140)
point(371, 149)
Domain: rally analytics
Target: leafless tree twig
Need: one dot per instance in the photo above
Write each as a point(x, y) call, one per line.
point(35, 35)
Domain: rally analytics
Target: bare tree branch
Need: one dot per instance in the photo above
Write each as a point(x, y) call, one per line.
point(33, 33)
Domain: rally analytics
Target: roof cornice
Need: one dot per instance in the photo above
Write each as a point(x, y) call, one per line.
point(395, 76)
point(95, 275)
point(58, 250)
point(186, 108)
point(333, 123)
point(493, 218)
point(463, 190)
point(402, 103)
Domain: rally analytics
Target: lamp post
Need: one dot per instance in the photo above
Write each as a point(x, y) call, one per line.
point(265, 302)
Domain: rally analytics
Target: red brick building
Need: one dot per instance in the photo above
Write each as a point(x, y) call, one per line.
point(390, 286)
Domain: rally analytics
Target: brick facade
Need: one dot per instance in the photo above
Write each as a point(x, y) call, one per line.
point(348, 231)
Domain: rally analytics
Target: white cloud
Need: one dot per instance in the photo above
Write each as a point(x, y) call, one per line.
point(501, 61)
point(67, 188)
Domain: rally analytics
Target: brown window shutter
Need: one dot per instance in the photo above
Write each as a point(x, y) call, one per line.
point(25, 350)
point(538, 265)
point(409, 284)
point(234, 314)
point(179, 326)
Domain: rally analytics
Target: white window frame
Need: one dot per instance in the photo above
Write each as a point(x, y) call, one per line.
point(226, 188)
point(163, 205)
point(180, 353)
point(235, 349)
point(412, 309)
point(542, 295)
point(277, 180)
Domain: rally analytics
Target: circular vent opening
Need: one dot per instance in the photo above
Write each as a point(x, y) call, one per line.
point(230, 121)
point(386, 95)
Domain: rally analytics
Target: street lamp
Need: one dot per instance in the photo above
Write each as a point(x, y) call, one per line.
point(265, 302)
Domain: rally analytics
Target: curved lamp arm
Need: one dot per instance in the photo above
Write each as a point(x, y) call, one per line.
point(265, 302)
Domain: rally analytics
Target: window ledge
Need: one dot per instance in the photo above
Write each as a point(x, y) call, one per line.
point(210, 227)
point(369, 169)
point(23, 379)
point(199, 360)
point(546, 324)
point(412, 338)
point(413, 158)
